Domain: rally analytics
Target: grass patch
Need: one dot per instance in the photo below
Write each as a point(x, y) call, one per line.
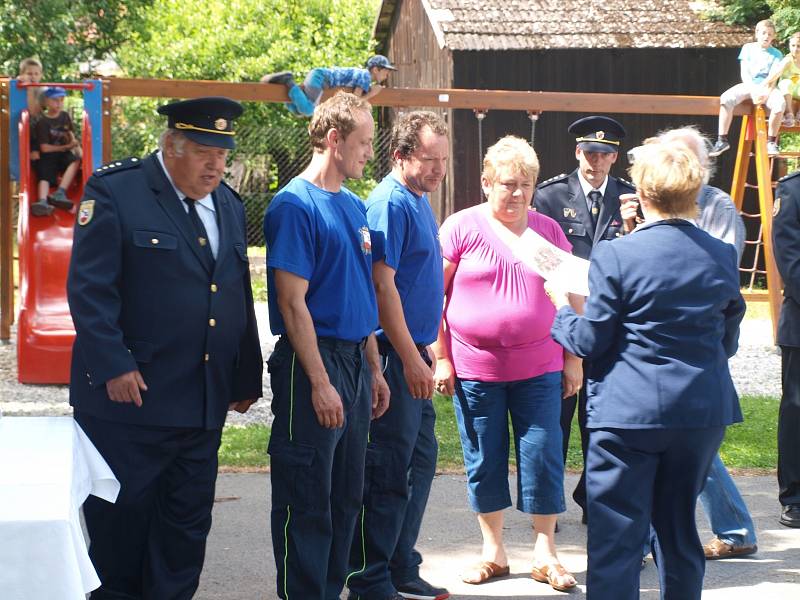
point(259, 286)
point(748, 445)
point(758, 310)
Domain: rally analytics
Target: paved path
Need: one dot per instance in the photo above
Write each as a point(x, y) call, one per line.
point(239, 560)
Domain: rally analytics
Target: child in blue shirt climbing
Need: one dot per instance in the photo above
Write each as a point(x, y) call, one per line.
point(364, 82)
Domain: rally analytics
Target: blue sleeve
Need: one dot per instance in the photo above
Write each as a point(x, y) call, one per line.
point(786, 235)
point(590, 335)
point(389, 218)
point(362, 79)
point(93, 287)
point(289, 237)
point(734, 312)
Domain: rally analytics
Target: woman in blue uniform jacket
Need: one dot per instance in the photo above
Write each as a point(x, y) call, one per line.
point(660, 323)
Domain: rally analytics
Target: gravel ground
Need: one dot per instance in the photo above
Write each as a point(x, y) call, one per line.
point(755, 368)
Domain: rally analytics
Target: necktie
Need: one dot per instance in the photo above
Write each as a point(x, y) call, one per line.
point(595, 198)
point(200, 231)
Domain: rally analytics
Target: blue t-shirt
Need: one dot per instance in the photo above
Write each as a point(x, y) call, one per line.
point(351, 77)
point(413, 250)
point(323, 237)
point(758, 61)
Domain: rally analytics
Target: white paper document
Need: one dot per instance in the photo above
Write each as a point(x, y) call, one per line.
point(552, 263)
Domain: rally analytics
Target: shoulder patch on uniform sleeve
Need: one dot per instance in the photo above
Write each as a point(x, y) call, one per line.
point(85, 212)
point(789, 176)
point(117, 166)
point(547, 182)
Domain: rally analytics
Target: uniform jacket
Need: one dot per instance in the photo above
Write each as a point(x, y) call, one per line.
point(142, 298)
point(786, 240)
point(562, 198)
point(661, 321)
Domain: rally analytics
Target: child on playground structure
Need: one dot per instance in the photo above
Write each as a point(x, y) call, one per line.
point(757, 60)
point(59, 152)
point(787, 73)
point(362, 82)
point(30, 71)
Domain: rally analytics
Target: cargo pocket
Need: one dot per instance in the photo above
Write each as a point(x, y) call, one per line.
point(380, 476)
point(292, 474)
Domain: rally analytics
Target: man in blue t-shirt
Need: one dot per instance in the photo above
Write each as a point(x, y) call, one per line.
point(322, 304)
point(362, 82)
point(401, 455)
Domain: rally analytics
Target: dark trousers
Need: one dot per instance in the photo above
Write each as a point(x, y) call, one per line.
point(567, 412)
point(150, 544)
point(635, 477)
point(401, 463)
point(317, 474)
point(789, 428)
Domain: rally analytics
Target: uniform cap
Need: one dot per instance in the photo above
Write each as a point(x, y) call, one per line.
point(207, 121)
point(597, 134)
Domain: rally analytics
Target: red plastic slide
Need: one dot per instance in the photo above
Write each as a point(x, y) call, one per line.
point(45, 331)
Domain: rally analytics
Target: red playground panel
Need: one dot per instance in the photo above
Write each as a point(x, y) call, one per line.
point(45, 332)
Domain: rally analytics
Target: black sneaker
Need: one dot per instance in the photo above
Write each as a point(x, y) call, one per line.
point(284, 77)
point(394, 596)
point(41, 209)
point(419, 589)
point(720, 146)
point(60, 200)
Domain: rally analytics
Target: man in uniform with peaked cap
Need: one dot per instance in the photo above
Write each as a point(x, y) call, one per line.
point(587, 205)
point(166, 343)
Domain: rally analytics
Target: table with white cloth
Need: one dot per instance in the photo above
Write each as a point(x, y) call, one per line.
point(48, 467)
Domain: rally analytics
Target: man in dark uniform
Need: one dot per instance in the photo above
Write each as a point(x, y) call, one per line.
point(166, 344)
point(786, 239)
point(322, 303)
point(587, 205)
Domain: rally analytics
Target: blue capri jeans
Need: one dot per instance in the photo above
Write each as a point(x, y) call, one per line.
point(482, 410)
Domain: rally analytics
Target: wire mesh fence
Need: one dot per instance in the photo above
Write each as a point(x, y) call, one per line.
point(266, 158)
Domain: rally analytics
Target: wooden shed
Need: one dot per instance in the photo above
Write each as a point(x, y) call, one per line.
point(610, 46)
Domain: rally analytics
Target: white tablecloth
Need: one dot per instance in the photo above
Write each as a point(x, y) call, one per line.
point(47, 469)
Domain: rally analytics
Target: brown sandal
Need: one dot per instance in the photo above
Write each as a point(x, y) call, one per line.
point(550, 573)
point(485, 571)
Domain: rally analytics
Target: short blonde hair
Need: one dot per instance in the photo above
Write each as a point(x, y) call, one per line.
point(31, 61)
point(513, 152)
point(339, 112)
point(698, 143)
point(766, 23)
point(669, 176)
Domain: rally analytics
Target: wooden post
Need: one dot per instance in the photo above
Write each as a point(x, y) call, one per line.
point(765, 201)
point(6, 215)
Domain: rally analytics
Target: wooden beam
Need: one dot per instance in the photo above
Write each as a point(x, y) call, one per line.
point(442, 98)
point(6, 215)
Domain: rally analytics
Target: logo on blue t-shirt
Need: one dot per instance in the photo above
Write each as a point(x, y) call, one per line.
point(366, 242)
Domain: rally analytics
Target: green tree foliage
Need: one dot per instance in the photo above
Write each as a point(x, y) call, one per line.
point(785, 14)
point(62, 33)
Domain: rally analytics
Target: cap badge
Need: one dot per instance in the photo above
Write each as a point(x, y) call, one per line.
point(600, 135)
point(221, 124)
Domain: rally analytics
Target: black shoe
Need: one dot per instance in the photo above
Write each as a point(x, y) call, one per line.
point(284, 77)
point(790, 517)
point(60, 200)
point(419, 589)
point(720, 146)
point(41, 209)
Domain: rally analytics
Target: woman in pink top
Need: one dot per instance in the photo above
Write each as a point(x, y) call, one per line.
point(496, 356)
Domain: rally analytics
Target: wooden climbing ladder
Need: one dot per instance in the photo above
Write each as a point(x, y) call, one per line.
point(755, 202)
